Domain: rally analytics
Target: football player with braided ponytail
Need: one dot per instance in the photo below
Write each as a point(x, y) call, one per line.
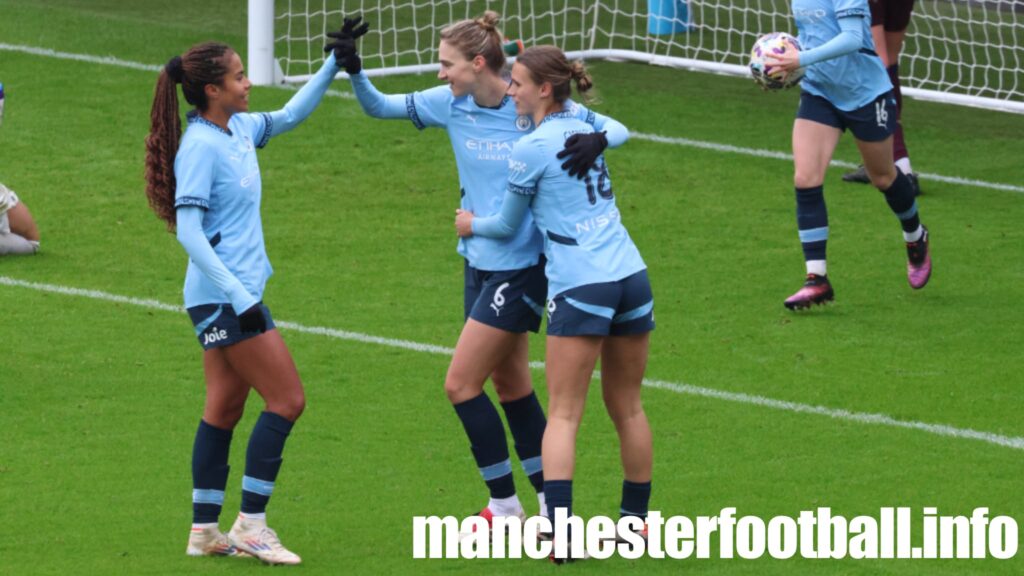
point(205, 184)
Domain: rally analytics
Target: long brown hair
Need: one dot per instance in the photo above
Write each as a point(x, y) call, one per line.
point(549, 64)
point(478, 36)
point(203, 64)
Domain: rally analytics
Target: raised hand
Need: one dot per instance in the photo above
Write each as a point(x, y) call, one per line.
point(343, 44)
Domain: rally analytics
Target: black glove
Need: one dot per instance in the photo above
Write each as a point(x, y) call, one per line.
point(346, 53)
point(582, 151)
point(252, 320)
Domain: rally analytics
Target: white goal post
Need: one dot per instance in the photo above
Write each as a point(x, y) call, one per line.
point(968, 52)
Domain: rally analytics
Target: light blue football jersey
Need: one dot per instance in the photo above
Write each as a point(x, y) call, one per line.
point(218, 171)
point(848, 82)
point(482, 139)
point(584, 239)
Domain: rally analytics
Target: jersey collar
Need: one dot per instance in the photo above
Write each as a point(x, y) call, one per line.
point(565, 113)
point(504, 100)
point(195, 118)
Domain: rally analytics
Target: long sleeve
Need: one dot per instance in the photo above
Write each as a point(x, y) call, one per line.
point(374, 102)
point(304, 101)
point(191, 236)
point(848, 40)
point(506, 221)
point(615, 131)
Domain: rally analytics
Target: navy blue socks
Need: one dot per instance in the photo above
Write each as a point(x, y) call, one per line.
point(812, 222)
point(526, 420)
point(635, 498)
point(487, 441)
point(559, 495)
point(209, 472)
point(900, 197)
point(263, 460)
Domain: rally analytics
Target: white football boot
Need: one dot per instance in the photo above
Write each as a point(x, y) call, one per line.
point(253, 536)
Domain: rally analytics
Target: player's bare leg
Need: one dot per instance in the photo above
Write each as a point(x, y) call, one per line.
point(623, 362)
point(481, 351)
point(569, 368)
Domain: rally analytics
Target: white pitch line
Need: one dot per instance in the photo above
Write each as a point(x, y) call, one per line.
point(94, 294)
point(104, 60)
point(364, 338)
point(1014, 442)
point(157, 305)
point(730, 149)
point(727, 148)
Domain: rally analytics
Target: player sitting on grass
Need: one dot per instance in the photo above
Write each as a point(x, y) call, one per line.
point(18, 231)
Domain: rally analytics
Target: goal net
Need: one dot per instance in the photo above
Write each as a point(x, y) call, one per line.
point(961, 51)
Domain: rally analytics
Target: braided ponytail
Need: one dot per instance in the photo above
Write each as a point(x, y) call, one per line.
point(203, 64)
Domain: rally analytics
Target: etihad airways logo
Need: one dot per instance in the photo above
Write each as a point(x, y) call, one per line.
point(491, 146)
point(490, 150)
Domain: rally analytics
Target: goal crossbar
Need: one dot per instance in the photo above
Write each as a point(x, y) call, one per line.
point(964, 52)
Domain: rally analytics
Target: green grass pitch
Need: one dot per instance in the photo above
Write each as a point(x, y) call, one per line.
point(99, 400)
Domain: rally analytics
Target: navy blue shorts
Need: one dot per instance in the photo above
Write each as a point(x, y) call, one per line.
point(217, 325)
point(511, 300)
point(872, 123)
point(894, 15)
point(604, 309)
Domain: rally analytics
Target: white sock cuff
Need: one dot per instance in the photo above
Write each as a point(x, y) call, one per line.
point(505, 506)
point(904, 165)
point(816, 267)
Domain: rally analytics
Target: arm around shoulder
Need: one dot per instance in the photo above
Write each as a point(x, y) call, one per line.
point(615, 131)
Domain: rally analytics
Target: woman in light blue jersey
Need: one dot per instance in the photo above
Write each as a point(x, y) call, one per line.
point(504, 279)
point(599, 298)
point(208, 187)
point(845, 86)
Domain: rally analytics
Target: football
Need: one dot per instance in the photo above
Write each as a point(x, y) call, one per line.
point(765, 76)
